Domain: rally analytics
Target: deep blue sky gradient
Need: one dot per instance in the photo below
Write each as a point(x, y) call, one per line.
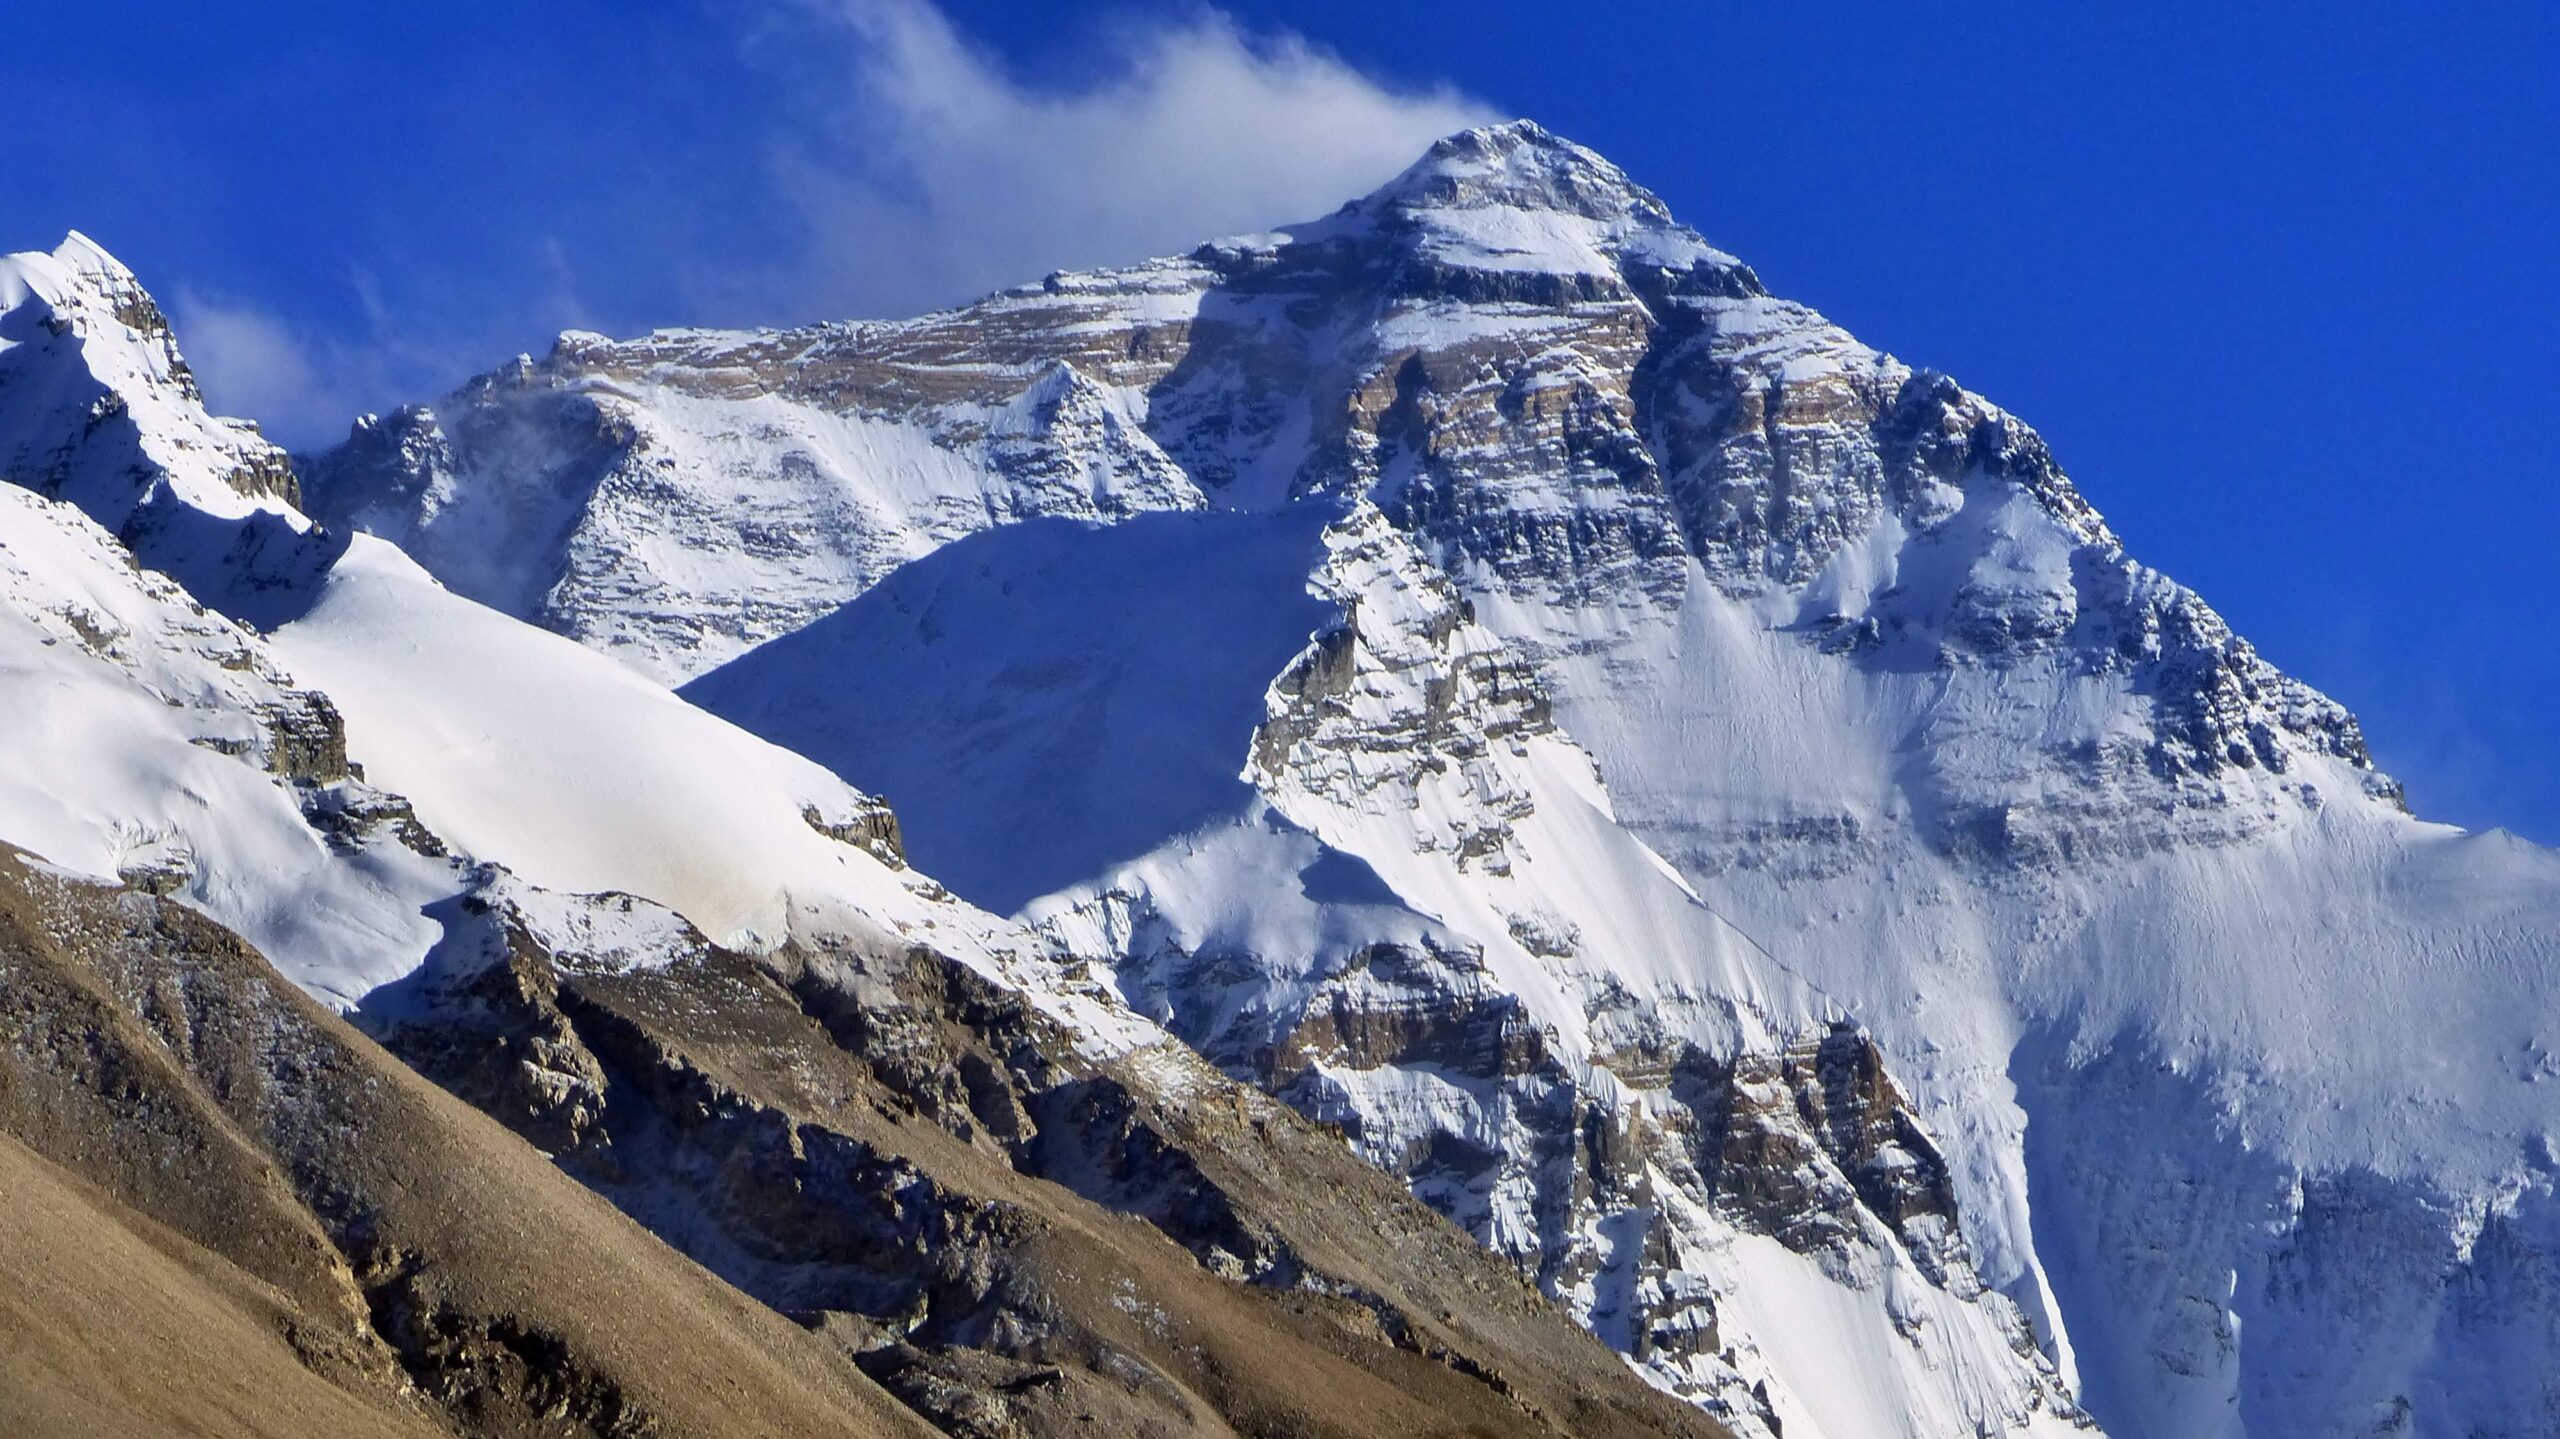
point(2279, 283)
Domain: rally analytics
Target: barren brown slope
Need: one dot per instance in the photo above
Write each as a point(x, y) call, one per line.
point(426, 1268)
point(1015, 1239)
point(222, 1210)
point(112, 1324)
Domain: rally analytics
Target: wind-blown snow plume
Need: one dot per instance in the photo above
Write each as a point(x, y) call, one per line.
point(936, 174)
point(871, 158)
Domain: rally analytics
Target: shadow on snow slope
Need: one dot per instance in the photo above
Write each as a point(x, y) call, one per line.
point(1045, 700)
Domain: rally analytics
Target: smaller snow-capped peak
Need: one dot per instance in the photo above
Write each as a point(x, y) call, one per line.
point(159, 624)
point(84, 350)
point(79, 275)
point(98, 409)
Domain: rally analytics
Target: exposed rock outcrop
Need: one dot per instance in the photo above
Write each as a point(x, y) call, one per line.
point(923, 1169)
point(423, 1268)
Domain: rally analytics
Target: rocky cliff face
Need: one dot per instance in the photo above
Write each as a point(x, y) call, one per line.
point(929, 1172)
point(1658, 1096)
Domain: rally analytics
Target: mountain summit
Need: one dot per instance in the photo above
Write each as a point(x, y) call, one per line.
point(1518, 165)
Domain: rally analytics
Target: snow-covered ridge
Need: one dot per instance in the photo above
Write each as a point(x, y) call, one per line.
point(155, 742)
point(317, 743)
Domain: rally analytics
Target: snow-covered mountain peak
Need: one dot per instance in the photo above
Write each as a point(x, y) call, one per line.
point(160, 617)
point(79, 276)
point(97, 408)
point(1516, 198)
point(1519, 165)
point(96, 398)
point(2124, 907)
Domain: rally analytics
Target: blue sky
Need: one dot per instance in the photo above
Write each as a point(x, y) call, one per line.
point(2278, 282)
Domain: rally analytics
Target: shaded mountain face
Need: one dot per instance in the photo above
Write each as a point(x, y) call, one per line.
point(1691, 676)
point(738, 1124)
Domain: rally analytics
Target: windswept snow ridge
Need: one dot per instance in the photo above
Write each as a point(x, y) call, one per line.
point(162, 745)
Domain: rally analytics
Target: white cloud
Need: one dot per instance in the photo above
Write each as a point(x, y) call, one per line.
point(304, 384)
point(894, 166)
point(249, 362)
point(927, 173)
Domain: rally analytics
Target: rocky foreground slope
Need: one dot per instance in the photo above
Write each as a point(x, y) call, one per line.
point(411, 1022)
point(1711, 808)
